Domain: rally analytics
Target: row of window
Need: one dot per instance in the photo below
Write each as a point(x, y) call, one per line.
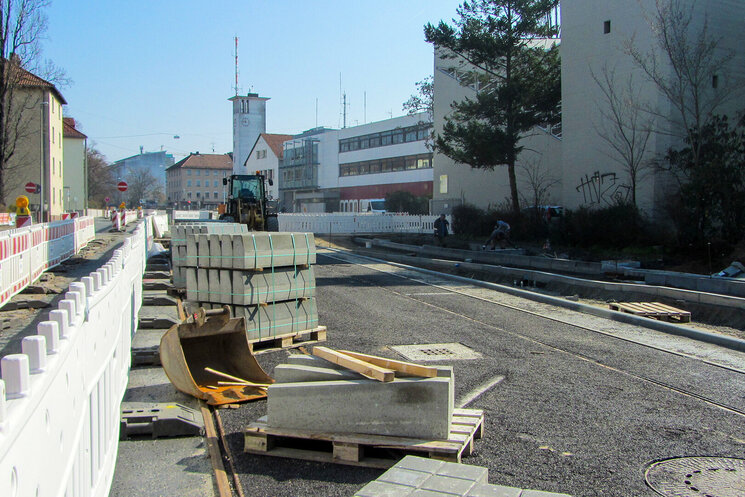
point(206, 195)
point(384, 138)
point(198, 172)
point(206, 182)
point(420, 161)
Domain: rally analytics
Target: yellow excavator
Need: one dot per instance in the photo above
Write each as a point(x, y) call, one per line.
point(247, 202)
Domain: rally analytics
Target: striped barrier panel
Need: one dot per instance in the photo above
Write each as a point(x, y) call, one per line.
point(60, 398)
point(26, 252)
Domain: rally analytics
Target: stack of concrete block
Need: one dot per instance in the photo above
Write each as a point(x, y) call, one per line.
point(267, 278)
point(419, 476)
point(180, 231)
point(313, 394)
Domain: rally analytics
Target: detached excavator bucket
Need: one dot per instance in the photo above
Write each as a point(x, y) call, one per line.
point(208, 356)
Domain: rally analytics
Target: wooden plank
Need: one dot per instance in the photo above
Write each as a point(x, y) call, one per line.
point(364, 368)
point(347, 451)
point(398, 366)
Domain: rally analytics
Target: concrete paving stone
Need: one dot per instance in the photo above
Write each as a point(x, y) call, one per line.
point(192, 290)
point(215, 251)
point(203, 251)
point(476, 474)
point(448, 485)
point(428, 493)
point(494, 491)
point(405, 477)
point(203, 285)
point(278, 318)
point(420, 464)
point(213, 288)
point(252, 287)
point(406, 407)
point(380, 489)
point(226, 251)
point(294, 373)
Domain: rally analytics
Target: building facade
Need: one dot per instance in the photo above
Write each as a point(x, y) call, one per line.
point(328, 170)
point(38, 157)
point(195, 182)
point(249, 121)
point(154, 163)
point(587, 170)
point(75, 167)
point(264, 157)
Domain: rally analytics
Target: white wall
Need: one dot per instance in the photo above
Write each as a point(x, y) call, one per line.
point(270, 162)
point(247, 126)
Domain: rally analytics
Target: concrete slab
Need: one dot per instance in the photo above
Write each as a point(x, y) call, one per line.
point(251, 287)
point(278, 318)
point(406, 407)
point(293, 373)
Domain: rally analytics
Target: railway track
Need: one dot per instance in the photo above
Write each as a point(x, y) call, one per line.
point(640, 377)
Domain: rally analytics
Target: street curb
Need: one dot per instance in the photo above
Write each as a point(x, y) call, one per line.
point(673, 329)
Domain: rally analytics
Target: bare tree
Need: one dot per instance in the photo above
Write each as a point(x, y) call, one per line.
point(688, 67)
point(22, 26)
point(538, 180)
point(142, 185)
point(101, 183)
point(625, 127)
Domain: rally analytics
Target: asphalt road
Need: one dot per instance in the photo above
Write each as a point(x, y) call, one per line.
point(578, 412)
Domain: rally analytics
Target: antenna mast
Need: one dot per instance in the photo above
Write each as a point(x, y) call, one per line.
point(236, 66)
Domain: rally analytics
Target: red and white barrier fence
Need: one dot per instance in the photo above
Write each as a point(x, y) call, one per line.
point(120, 219)
point(60, 398)
point(26, 252)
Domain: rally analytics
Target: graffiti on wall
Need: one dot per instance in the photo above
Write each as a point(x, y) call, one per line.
point(603, 188)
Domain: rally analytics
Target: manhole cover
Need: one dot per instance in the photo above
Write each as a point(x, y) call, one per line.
point(436, 352)
point(698, 476)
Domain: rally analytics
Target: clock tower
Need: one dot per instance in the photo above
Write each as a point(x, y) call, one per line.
point(249, 121)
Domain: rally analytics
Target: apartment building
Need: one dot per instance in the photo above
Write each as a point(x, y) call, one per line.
point(196, 181)
point(75, 171)
point(38, 157)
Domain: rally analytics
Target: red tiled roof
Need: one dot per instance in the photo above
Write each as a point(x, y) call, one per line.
point(204, 161)
point(275, 142)
point(69, 131)
point(30, 80)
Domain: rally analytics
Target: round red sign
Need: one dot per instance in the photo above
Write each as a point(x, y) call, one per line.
point(122, 186)
point(31, 187)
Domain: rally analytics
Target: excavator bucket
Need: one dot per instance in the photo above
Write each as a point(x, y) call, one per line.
point(208, 356)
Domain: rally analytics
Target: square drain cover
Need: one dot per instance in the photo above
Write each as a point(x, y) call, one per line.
point(436, 352)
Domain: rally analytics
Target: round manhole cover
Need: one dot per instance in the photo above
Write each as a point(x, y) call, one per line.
point(697, 476)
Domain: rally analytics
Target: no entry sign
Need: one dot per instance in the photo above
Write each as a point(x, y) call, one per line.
point(32, 187)
point(122, 186)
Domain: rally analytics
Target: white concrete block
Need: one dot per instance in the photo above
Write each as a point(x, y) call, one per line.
point(35, 347)
point(50, 331)
point(15, 373)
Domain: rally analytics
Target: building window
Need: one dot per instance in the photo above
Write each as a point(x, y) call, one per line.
point(199, 172)
point(52, 134)
point(188, 172)
point(188, 182)
point(606, 27)
point(214, 194)
point(199, 183)
point(715, 81)
point(52, 165)
point(214, 173)
point(198, 194)
point(188, 194)
point(443, 183)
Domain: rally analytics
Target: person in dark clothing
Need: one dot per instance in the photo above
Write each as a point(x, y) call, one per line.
point(500, 234)
point(441, 229)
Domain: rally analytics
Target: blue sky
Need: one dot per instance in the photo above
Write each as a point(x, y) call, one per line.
point(160, 68)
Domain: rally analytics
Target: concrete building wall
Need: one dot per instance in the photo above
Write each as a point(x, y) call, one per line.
point(249, 121)
point(74, 174)
point(38, 151)
point(593, 37)
point(455, 183)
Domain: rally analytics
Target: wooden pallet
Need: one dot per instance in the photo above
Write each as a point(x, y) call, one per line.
point(288, 340)
point(376, 451)
point(654, 310)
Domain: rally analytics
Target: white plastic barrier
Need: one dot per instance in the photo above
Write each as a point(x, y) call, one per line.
point(160, 225)
point(191, 215)
point(60, 399)
point(357, 223)
point(26, 252)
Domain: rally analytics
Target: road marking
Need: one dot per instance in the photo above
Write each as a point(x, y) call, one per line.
point(429, 293)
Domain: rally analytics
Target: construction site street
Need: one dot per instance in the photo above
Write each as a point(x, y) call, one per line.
point(568, 409)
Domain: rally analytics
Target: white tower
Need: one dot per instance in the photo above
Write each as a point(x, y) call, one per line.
point(249, 121)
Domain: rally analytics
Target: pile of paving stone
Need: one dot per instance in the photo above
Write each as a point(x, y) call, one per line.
point(266, 278)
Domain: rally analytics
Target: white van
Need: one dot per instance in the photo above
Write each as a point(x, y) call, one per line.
point(372, 205)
